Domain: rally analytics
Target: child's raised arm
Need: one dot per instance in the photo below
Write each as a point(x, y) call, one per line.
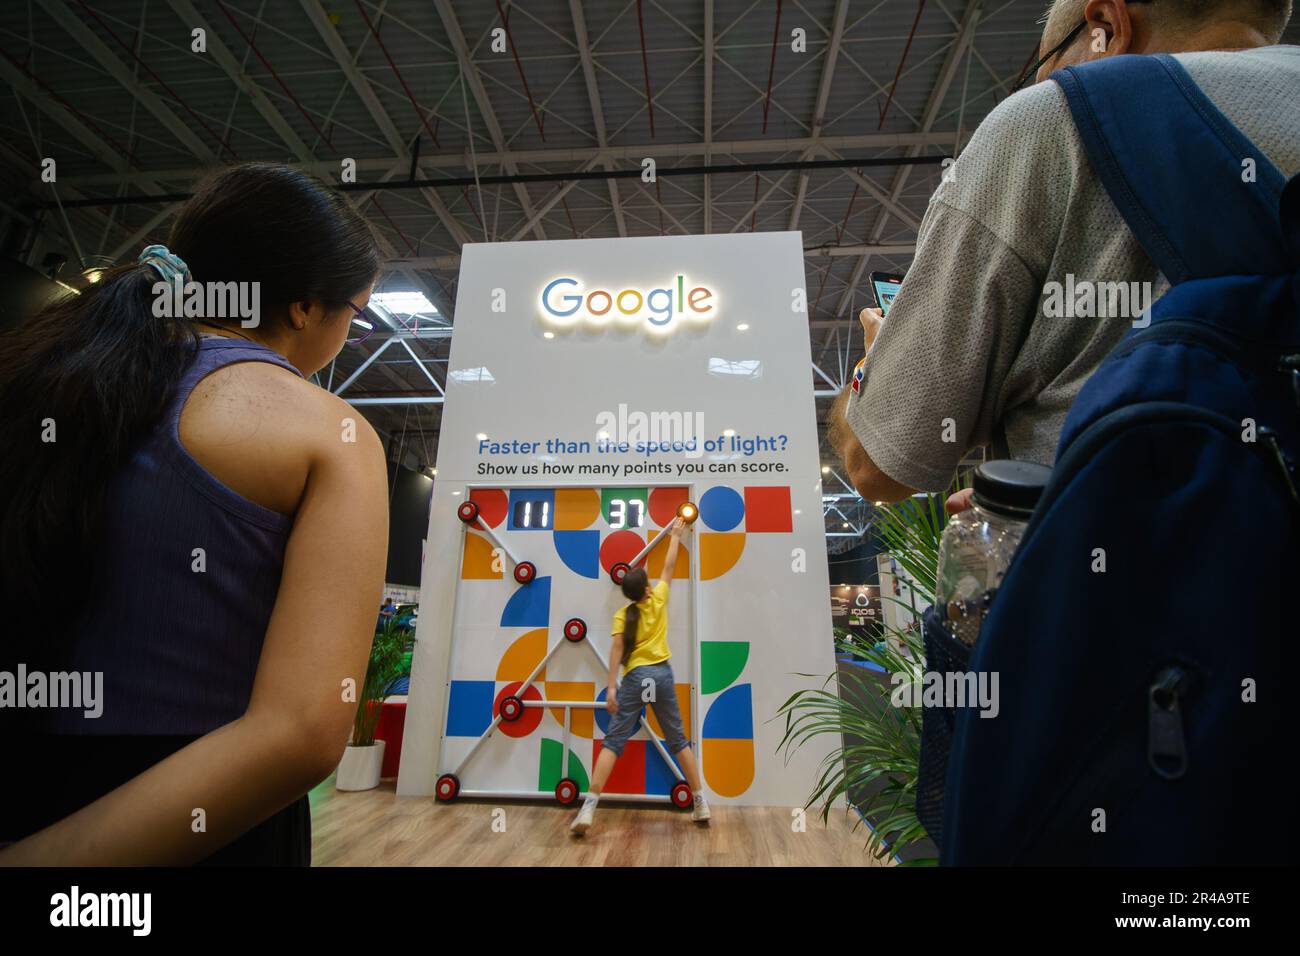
point(674, 541)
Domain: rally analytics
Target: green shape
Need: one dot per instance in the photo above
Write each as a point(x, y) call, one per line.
point(629, 510)
point(550, 771)
point(721, 663)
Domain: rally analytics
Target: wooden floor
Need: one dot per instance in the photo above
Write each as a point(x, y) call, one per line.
point(378, 828)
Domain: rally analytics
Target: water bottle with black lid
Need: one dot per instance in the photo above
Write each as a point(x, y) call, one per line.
point(978, 543)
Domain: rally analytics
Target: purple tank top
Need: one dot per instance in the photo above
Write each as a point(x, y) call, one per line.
point(185, 577)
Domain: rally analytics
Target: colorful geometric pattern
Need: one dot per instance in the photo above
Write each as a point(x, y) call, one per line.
point(721, 508)
point(492, 505)
point(522, 656)
point(552, 767)
point(480, 561)
point(529, 606)
point(720, 664)
point(576, 508)
point(727, 741)
point(587, 546)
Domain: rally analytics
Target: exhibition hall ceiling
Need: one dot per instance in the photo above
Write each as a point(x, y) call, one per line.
point(485, 92)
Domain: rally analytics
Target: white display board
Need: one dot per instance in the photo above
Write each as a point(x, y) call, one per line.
point(592, 386)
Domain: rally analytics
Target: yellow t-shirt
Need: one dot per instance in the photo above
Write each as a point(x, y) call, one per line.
point(651, 629)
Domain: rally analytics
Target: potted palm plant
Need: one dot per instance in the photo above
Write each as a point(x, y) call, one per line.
point(876, 761)
point(364, 757)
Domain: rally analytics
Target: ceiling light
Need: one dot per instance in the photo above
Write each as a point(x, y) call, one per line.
point(411, 302)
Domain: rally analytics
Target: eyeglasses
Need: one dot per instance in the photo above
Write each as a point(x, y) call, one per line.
point(1047, 57)
point(361, 315)
point(1054, 52)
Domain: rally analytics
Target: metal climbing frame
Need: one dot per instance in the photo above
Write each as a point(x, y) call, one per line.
point(511, 708)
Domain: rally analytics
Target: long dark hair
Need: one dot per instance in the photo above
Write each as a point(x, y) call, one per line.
point(100, 367)
point(635, 583)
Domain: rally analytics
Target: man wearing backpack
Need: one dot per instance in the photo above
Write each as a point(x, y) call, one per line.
point(977, 349)
point(1142, 687)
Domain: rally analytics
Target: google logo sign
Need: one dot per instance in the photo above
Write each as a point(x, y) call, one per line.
point(565, 302)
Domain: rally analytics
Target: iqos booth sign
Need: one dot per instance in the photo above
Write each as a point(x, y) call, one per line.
point(568, 301)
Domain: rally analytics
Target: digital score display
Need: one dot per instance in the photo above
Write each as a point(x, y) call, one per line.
point(626, 514)
point(531, 516)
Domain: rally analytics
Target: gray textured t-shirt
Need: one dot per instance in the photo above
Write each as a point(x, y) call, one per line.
point(968, 352)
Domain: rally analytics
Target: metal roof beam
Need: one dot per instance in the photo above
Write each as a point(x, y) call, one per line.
point(470, 76)
point(965, 35)
point(541, 157)
point(597, 110)
point(79, 31)
point(334, 43)
point(823, 95)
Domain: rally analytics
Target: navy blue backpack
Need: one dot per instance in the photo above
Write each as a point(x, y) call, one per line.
point(1140, 706)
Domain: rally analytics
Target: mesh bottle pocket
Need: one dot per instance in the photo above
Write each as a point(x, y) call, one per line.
point(943, 654)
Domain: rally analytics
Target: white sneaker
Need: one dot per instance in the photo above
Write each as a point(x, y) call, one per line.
point(582, 822)
point(701, 812)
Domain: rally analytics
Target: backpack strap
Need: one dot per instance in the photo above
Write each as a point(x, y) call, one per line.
point(1173, 165)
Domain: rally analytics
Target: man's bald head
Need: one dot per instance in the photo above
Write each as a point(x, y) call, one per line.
point(1155, 26)
point(1269, 17)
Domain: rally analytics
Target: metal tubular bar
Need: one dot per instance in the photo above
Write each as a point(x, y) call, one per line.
point(826, 378)
point(424, 400)
point(581, 174)
point(538, 669)
point(564, 759)
point(274, 75)
point(884, 111)
point(771, 67)
point(477, 744)
point(514, 52)
point(575, 704)
point(499, 543)
point(363, 366)
point(493, 726)
point(534, 794)
point(648, 548)
point(419, 362)
point(634, 152)
point(659, 746)
point(420, 113)
point(645, 70)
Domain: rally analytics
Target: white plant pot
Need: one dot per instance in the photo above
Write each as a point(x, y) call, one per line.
point(359, 768)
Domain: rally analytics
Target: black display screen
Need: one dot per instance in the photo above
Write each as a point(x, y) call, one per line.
point(532, 515)
point(629, 513)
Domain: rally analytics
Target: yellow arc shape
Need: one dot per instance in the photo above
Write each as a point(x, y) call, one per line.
point(522, 656)
point(575, 508)
point(719, 552)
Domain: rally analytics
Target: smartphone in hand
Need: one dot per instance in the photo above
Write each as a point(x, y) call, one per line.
point(885, 285)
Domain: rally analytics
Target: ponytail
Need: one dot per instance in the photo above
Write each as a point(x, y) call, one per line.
point(85, 381)
point(634, 588)
point(79, 384)
point(631, 618)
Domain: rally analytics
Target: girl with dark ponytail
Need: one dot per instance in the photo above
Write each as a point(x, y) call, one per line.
point(192, 534)
point(640, 649)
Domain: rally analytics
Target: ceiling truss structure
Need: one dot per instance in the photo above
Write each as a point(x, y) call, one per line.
point(413, 90)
